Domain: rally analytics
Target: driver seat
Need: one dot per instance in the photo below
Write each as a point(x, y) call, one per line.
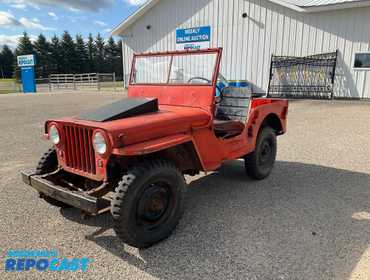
point(232, 111)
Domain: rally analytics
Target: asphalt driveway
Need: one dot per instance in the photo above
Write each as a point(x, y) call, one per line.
point(309, 220)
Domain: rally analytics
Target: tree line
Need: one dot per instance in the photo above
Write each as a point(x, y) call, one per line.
point(64, 55)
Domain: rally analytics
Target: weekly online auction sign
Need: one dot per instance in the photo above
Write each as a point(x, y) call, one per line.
point(193, 38)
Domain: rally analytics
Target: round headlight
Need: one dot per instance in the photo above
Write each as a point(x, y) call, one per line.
point(100, 145)
point(54, 135)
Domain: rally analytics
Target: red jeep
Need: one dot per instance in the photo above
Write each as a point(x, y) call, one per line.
point(130, 157)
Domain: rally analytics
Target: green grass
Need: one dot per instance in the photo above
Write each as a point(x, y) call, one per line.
point(6, 81)
point(7, 86)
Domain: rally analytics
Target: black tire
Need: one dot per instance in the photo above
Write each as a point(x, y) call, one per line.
point(148, 203)
point(260, 163)
point(47, 164)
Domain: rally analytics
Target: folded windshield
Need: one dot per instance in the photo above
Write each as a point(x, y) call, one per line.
point(192, 68)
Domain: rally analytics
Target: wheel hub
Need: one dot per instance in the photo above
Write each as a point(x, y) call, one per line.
point(153, 203)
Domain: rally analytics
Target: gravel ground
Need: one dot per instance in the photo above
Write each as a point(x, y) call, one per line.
point(309, 220)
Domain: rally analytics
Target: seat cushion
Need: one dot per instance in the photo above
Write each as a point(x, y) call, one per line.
point(229, 127)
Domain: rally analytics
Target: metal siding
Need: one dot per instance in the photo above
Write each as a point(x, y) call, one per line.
point(249, 42)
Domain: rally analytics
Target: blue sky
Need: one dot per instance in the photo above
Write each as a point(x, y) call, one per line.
point(51, 17)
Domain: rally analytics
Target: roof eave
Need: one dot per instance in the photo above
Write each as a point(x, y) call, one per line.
point(288, 5)
point(323, 8)
point(339, 6)
point(117, 31)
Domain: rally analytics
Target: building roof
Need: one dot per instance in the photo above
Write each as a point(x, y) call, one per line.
point(317, 3)
point(303, 6)
point(310, 6)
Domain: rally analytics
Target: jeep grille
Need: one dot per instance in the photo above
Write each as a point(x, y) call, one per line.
point(79, 152)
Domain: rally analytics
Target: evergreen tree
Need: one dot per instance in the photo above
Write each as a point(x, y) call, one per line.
point(55, 55)
point(24, 47)
point(82, 54)
point(110, 55)
point(118, 66)
point(91, 51)
point(69, 59)
point(99, 58)
point(43, 58)
point(2, 65)
point(113, 58)
point(6, 62)
point(65, 56)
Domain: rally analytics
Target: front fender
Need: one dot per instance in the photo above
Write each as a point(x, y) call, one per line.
point(153, 146)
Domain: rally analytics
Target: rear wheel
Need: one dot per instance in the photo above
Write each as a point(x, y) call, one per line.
point(259, 163)
point(148, 203)
point(47, 164)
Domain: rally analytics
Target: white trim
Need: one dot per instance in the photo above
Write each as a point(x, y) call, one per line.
point(117, 31)
point(354, 59)
point(288, 5)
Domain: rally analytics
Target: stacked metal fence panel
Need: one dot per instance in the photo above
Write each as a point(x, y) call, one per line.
point(310, 77)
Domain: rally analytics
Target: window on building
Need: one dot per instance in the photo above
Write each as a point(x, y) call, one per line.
point(362, 60)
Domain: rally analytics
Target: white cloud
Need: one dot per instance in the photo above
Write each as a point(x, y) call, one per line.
point(108, 30)
point(7, 19)
point(12, 40)
point(72, 5)
point(74, 10)
point(19, 6)
point(33, 24)
point(100, 23)
point(135, 2)
point(53, 15)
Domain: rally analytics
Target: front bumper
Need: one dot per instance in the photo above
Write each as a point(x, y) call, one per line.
point(77, 199)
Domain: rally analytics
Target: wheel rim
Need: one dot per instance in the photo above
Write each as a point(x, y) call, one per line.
point(154, 206)
point(266, 154)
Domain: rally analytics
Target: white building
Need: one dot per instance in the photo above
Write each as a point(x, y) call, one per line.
point(250, 31)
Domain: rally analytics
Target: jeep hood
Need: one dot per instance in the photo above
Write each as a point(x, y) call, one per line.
point(168, 120)
point(125, 108)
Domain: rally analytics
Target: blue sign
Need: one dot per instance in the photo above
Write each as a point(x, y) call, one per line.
point(27, 64)
point(193, 38)
point(28, 79)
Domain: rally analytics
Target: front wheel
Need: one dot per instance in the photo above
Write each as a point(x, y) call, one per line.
point(259, 163)
point(148, 203)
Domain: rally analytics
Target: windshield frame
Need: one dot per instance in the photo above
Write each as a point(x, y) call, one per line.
point(171, 55)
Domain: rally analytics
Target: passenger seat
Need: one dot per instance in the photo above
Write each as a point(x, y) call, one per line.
point(232, 112)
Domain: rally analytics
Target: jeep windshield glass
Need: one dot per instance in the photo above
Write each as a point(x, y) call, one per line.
point(192, 68)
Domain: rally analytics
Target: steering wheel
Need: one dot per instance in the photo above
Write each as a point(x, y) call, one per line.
point(199, 78)
point(209, 82)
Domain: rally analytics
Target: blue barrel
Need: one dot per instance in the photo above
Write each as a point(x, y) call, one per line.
point(220, 87)
point(239, 83)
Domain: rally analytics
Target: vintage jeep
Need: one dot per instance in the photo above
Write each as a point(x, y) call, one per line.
point(130, 157)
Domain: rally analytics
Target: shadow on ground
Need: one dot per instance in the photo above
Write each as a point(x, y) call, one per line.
point(301, 219)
